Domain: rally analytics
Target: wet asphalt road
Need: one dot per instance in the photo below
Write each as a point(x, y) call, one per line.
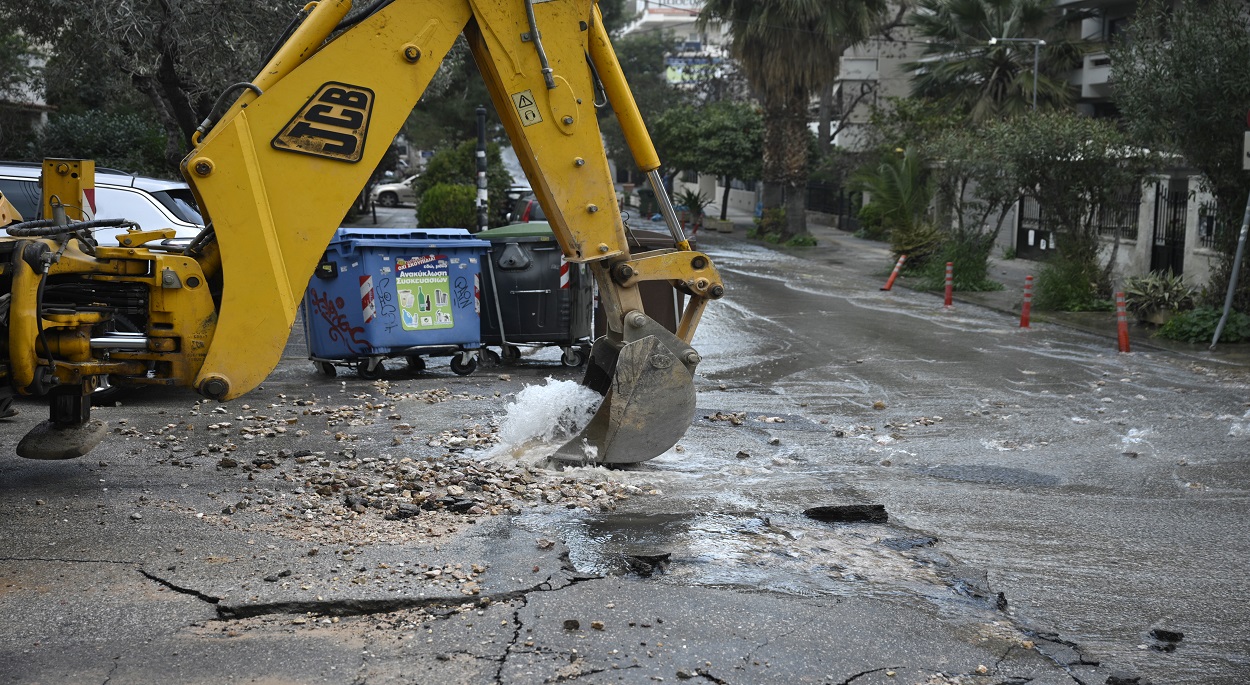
point(1051, 502)
point(1104, 495)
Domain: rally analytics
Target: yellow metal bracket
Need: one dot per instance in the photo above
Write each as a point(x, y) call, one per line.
point(691, 271)
point(135, 238)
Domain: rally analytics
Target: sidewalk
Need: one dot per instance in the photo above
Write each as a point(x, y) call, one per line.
point(874, 259)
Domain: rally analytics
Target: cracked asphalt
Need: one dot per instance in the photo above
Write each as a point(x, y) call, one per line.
point(345, 531)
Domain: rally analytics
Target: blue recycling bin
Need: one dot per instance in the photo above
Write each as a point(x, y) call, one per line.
point(380, 293)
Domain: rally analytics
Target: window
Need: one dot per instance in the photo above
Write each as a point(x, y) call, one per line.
point(24, 195)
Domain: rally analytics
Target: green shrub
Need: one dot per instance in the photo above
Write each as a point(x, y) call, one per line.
point(458, 166)
point(448, 205)
point(872, 222)
point(806, 240)
point(919, 240)
point(1145, 295)
point(1198, 325)
point(123, 141)
point(1067, 285)
point(971, 267)
point(769, 226)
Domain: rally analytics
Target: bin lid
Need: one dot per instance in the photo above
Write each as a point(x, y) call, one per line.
point(527, 229)
point(407, 237)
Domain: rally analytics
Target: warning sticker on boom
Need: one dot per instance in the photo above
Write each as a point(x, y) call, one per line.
point(526, 108)
point(333, 124)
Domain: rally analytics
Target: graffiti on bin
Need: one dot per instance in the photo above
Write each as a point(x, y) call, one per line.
point(386, 305)
point(340, 328)
point(464, 294)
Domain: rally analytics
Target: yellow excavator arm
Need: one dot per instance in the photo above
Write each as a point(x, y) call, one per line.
point(278, 168)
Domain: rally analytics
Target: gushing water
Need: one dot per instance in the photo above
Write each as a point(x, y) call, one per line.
point(545, 415)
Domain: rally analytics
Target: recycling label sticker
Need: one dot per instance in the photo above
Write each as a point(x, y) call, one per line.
point(424, 290)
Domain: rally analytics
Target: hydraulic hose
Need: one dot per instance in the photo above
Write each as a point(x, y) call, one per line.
point(40, 228)
point(538, 45)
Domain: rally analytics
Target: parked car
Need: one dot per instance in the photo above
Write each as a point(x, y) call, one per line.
point(395, 193)
point(152, 203)
point(526, 208)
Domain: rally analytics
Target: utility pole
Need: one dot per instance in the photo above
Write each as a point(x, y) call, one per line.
point(483, 214)
point(1037, 46)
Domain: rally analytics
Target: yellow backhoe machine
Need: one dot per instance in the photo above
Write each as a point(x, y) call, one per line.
point(276, 169)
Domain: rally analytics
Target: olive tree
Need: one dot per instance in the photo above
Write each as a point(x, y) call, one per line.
point(1182, 83)
point(723, 138)
point(177, 55)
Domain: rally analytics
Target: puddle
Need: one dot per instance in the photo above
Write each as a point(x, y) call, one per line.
point(785, 553)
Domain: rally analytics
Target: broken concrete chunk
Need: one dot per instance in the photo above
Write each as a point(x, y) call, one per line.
point(849, 513)
point(1165, 635)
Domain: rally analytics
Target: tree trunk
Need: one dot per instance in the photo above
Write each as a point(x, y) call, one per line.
point(824, 120)
point(774, 195)
point(724, 201)
point(794, 170)
point(785, 158)
point(774, 159)
point(796, 212)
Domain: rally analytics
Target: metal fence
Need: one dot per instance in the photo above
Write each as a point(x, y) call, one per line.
point(832, 198)
point(1212, 227)
point(1119, 215)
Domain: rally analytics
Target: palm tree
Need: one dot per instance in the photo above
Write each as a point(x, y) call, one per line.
point(962, 69)
point(789, 50)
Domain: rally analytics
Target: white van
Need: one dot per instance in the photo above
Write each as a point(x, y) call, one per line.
point(150, 202)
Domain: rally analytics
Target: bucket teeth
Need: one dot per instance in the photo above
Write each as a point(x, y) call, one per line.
point(649, 400)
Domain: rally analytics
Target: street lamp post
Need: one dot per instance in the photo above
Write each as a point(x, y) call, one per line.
point(1037, 46)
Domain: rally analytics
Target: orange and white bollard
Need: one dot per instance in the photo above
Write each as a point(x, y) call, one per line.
point(950, 284)
point(1027, 308)
point(894, 274)
point(1121, 320)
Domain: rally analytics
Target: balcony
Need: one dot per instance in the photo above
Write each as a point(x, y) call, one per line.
point(1095, 76)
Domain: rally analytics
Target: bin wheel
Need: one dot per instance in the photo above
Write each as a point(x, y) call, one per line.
point(326, 369)
point(511, 353)
point(463, 368)
point(363, 370)
point(490, 356)
point(572, 357)
point(415, 362)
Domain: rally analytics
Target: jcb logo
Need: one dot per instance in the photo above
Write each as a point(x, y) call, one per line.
point(332, 124)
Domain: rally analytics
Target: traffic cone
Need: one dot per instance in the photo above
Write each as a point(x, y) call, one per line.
point(894, 274)
point(1121, 321)
point(1027, 307)
point(950, 284)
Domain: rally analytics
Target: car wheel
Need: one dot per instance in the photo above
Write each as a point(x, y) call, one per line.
point(388, 199)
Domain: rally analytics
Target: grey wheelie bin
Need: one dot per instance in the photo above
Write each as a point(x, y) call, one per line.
point(532, 297)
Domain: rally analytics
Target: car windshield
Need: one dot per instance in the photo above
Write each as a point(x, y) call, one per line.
point(181, 203)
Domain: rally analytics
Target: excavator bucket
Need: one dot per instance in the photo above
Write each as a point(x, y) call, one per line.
point(647, 380)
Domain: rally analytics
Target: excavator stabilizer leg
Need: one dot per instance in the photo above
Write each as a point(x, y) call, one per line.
point(647, 381)
point(70, 431)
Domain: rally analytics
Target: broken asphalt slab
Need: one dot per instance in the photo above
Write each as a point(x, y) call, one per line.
point(143, 621)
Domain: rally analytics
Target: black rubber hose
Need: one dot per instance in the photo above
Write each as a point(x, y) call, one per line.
point(287, 33)
point(47, 227)
point(362, 15)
